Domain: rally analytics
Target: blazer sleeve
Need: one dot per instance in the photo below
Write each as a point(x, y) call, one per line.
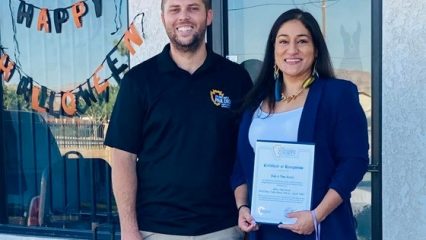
point(238, 176)
point(351, 142)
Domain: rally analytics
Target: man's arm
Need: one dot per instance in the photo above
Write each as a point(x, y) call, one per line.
point(124, 184)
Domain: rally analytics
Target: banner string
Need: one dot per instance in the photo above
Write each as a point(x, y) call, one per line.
point(17, 52)
point(21, 72)
point(39, 8)
point(117, 18)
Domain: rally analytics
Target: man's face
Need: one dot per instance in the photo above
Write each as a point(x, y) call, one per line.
point(185, 22)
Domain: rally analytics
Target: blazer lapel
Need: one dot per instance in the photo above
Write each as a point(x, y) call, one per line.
point(309, 114)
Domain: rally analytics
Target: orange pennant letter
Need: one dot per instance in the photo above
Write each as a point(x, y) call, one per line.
point(68, 103)
point(43, 20)
point(79, 10)
point(7, 67)
point(132, 35)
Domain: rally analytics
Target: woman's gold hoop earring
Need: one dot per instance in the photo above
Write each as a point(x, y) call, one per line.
point(278, 84)
point(307, 83)
point(276, 72)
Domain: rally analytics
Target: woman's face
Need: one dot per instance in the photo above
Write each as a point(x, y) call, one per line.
point(294, 51)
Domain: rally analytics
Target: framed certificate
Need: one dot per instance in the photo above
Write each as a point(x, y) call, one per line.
point(282, 180)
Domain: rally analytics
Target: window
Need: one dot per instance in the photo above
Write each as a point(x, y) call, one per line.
point(347, 27)
point(56, 166)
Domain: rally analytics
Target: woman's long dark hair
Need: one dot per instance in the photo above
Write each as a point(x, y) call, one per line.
point(264, 85)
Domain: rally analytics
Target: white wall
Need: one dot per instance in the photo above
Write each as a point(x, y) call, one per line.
point(155, 35)
point(404, 119)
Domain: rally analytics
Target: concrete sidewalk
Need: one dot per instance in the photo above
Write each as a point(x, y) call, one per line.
point(17, 237)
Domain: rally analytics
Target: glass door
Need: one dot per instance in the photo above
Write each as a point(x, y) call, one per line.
point(346, 25)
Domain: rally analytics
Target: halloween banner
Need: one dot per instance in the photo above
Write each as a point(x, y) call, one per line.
point(46, 18)
point(7, 66)
point(93, 90)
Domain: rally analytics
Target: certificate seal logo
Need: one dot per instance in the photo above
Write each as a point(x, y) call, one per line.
point(281, 152)
point(260, 210)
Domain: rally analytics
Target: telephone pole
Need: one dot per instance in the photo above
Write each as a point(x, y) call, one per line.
point(323, 8)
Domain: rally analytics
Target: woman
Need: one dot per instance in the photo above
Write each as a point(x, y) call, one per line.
point(297, 98)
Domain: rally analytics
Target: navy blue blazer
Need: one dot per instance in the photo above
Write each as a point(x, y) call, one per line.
point(333, 119)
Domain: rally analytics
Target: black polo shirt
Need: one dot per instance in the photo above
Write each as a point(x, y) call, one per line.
point(183, 128)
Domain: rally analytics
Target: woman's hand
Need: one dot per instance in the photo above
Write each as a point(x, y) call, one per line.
point(304, 224)
point(245, 221)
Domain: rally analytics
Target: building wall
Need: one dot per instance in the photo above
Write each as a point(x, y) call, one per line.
point(404, 119)
point(155, 36)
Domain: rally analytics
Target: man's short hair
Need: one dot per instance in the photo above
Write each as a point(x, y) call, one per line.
point(207, 4)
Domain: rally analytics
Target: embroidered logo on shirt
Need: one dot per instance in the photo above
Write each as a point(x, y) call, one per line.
point(219, 99)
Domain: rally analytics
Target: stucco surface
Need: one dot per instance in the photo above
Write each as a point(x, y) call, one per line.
point(154, 34)
point(404, 119)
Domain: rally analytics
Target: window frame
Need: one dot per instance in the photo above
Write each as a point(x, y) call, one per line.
point(3, 215)
point(376, 120)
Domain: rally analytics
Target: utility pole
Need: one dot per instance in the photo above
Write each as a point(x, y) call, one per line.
point(323, 8)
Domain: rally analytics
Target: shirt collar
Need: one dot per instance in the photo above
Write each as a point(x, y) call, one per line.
point(167, 64)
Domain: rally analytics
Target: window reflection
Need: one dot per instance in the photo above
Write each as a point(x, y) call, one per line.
point(56, 167)
point(57, 174)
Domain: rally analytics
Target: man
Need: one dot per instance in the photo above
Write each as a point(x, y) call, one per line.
point(173, 133)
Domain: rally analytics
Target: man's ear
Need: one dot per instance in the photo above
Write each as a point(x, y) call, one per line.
point(162, 18)
point(209, 17)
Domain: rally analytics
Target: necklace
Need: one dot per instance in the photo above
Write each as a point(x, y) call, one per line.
point(290, 98)
point(305, 85)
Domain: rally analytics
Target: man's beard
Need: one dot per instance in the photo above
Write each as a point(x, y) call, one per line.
point(193, 45)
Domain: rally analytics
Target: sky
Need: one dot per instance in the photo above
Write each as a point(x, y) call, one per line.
point(62, 61)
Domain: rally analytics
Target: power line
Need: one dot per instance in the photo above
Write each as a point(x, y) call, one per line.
point(279, 4)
